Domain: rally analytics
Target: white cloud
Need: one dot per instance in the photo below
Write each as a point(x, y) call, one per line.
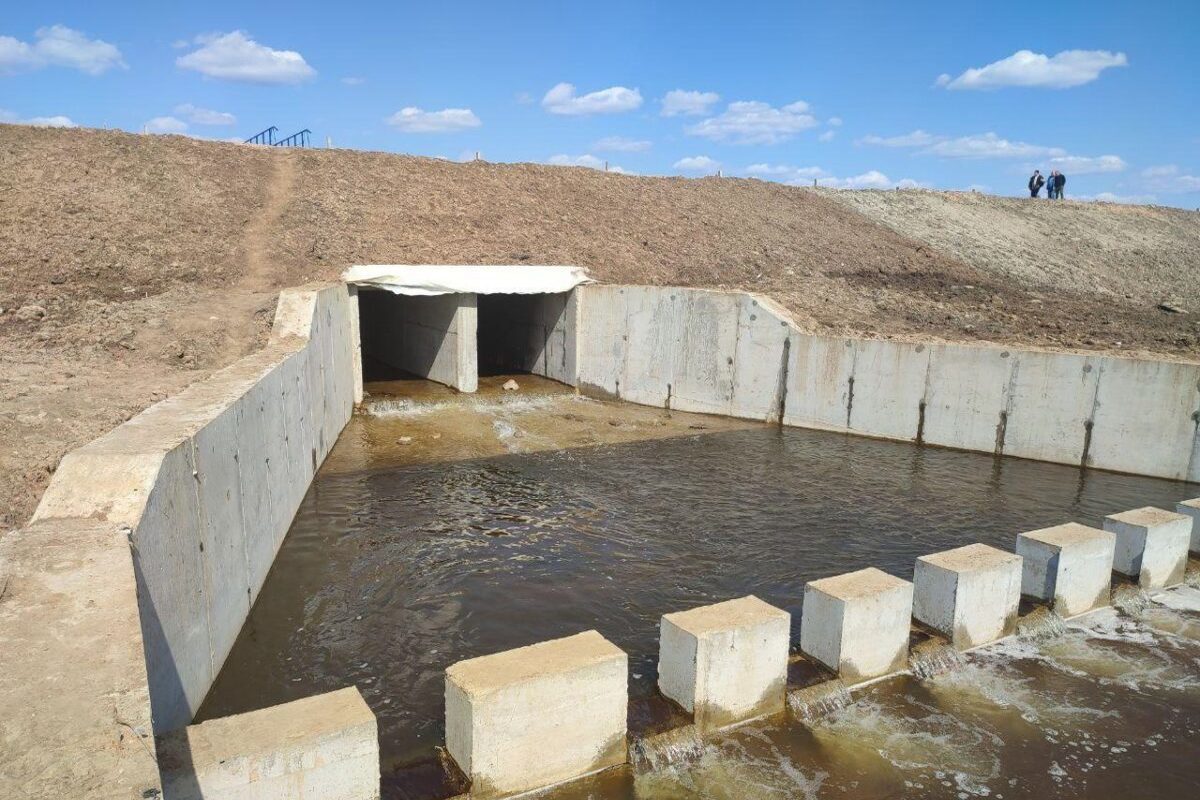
point(989, 145)
point(805, 176)
point(1085, 165)
point(165, 125)
point(235, 56)
point(754, 122)
point(353, 80)
point(1027, 68)
point(1130, 199)
point(681, 102)
point(834, 121)
point(204, 116)
point(59, 46)
point(614, 100)
point(784, 173)
point(1169, 179)
point(917, 138)
point(620, 144)
point(872, 179)
point(448, 120)
point(523, 98)
point(58, 121)
point(697, 164)
point(827, 136)
point(589, 161)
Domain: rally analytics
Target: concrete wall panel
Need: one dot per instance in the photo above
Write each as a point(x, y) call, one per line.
point(1051, 405)
point(760, 379)
point(705, 343)
point(819, 373)
point(966, 402)
point(889, 388)
point(1145, 418)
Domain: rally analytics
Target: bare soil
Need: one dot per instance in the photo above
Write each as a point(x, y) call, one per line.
point(133, 265)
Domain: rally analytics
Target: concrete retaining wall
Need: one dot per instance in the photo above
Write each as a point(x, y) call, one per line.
point(741, 355)
point(207, 483)
point(433, 337)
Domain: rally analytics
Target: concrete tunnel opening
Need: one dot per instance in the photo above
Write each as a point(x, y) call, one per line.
point(454, 325)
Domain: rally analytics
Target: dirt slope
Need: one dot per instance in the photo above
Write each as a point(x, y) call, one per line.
point(1142, 253)
point(132, 265)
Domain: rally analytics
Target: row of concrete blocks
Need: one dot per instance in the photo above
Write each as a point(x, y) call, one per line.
point(539, 715)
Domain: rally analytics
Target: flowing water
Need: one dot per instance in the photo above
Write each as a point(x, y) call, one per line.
point(437, 534)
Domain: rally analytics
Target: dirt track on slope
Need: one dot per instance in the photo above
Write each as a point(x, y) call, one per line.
point(133, 265)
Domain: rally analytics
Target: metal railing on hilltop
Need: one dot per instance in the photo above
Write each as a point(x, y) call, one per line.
point(265, 136)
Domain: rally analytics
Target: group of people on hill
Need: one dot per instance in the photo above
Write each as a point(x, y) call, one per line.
point(1054, 183)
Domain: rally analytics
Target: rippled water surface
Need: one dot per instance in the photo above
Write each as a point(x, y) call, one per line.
point(394, 570)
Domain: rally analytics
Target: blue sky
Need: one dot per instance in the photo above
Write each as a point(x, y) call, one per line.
point(941, 94)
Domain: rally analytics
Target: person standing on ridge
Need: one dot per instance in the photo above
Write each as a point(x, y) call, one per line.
point(1035, 183)
point(1050, 184)
point(1060, 181)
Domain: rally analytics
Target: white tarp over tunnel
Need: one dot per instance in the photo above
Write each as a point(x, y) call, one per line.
point(434, 279)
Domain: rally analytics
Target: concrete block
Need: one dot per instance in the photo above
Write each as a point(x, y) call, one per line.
point(538, 715)
point(601, 335)
point(969, 595)
point(726, 663)
point(1192, 509)
point(1152, 545)
point(320, 748)
point(1068, 566)
point(858, 623)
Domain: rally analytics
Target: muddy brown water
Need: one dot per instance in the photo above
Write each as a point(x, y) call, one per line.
point(447, 527)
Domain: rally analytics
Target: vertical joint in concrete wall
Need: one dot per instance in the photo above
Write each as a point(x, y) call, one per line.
point(1001, 432)
point(1087, 442)
point(725, 663)
point(849, 399)
point(781, 392)
point(921, 422)
point(539, 715)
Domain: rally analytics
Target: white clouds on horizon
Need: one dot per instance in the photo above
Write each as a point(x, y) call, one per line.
point(1029, 69)
point(165, 125)
point(622, 144)
point(684, 102)
point(1169, 179)
point(697, 164)
point(59, 46)
point(234, 56)
point(57, 121)
point(975, 146)
point(805, 176)
point(587, 160)
point(1085, 165)
point(1127, 199)
point(755, 122)
point(562, 100)
point(204, 116)
point(449, 120)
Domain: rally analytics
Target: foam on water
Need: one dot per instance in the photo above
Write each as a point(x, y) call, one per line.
point(406, 407)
